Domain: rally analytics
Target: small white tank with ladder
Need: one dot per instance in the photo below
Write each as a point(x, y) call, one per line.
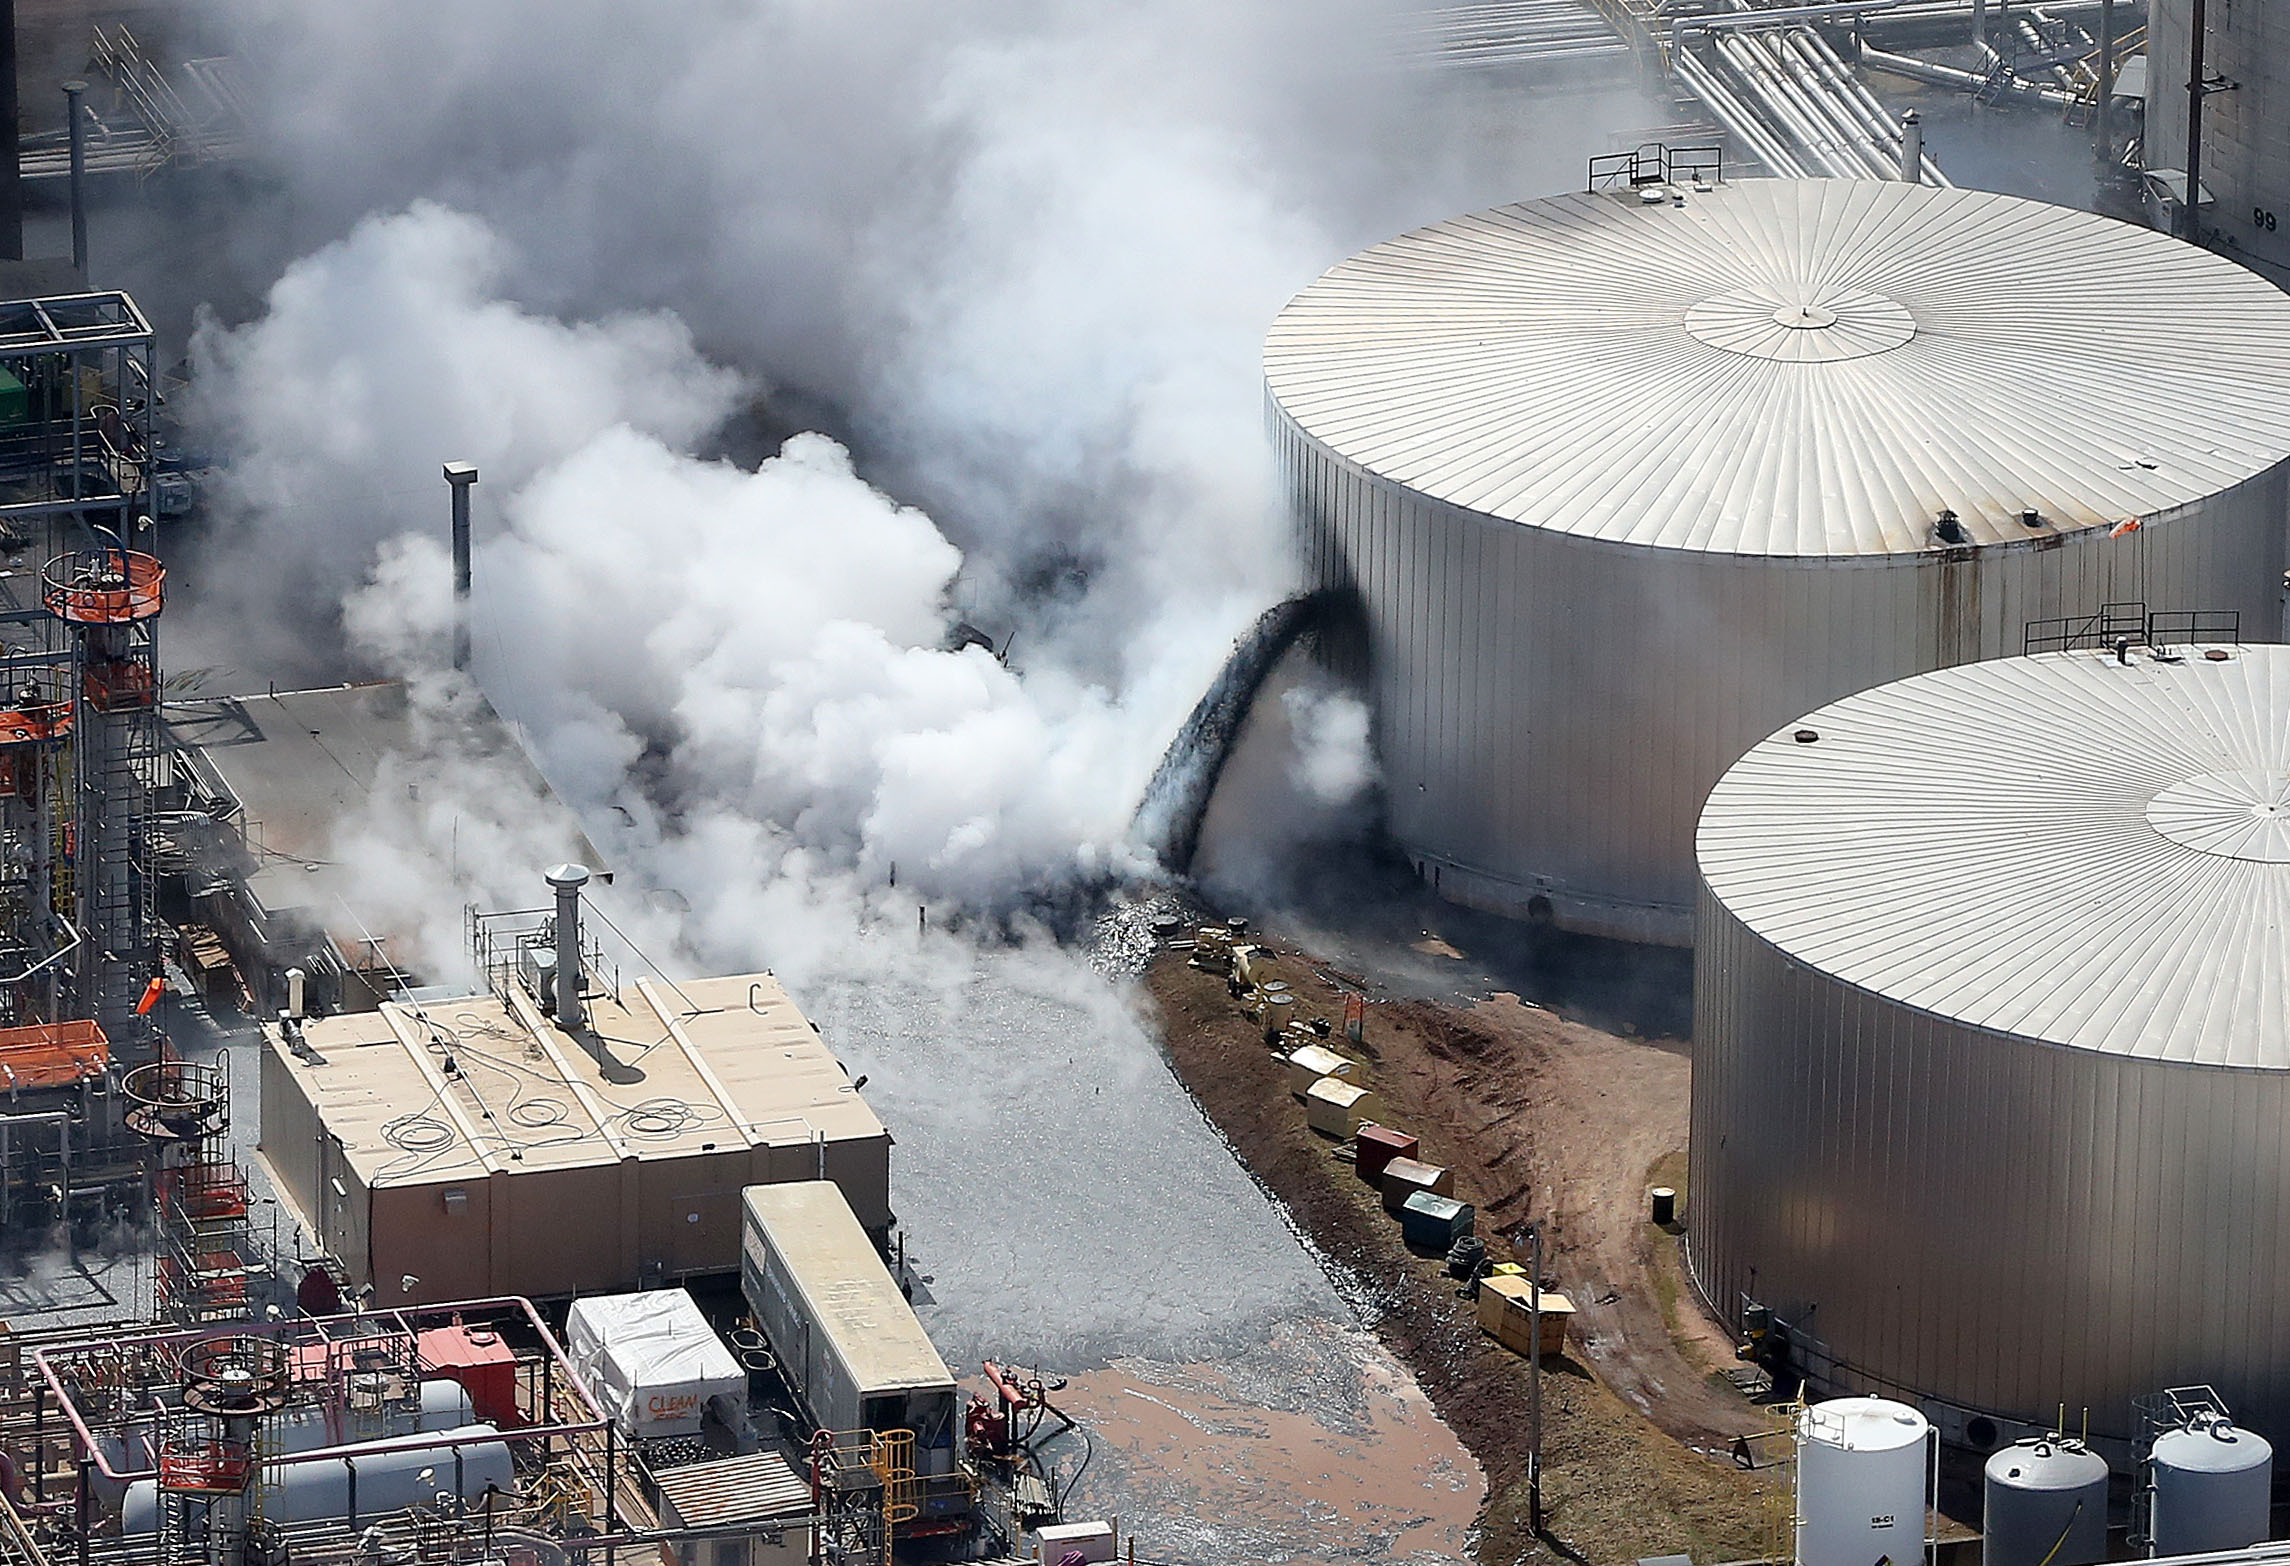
point(1862, 1470)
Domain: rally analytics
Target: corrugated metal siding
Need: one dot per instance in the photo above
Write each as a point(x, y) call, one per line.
point(1991, 1078)
point(2246, 131)
point(1998, 1223)
point(1551, 711)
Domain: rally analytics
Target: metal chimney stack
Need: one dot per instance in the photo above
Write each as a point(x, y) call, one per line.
point(75, 114)
point(568, 879)
point(1912, 148)
point(460, 475)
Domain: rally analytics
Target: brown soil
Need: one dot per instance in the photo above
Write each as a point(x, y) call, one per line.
point(1540, 1118)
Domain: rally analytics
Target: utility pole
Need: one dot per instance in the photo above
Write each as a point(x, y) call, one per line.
point(2190, 224)
point(1535, 1380)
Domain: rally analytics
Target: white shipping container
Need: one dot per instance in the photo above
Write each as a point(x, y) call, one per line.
point(843, 1331)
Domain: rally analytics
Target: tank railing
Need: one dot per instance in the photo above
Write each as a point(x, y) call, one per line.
point(2182, 627)
point(1655, 163)
point(498, 939)
point(2111, 621)
point(106, 586)
point(2130, 621)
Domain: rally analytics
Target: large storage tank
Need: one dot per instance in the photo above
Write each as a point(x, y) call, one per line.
point(2246, 126)
point(1861, 1465)
point(1624, 486)
point(1991, 1096)
point(2213, 1488)
point(2044, 1503)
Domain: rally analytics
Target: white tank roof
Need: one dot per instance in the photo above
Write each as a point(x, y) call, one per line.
point(2062, 848)
point(2220, 1448)
point(1792, 368)
point(1863, 1424)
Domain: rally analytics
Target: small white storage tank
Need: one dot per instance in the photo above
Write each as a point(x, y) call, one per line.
point(1861, 1467)
point(1624, 487)
point(2044, 1503)
point(2214, 1485)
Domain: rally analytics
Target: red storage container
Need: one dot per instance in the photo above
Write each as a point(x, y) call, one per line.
point(485, 1366)
point(1378, 1146)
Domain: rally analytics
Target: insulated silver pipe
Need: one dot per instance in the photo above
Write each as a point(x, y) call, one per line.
point(1730, 112)
point(1950, 76)
point(1791, 13)
point(568, 879)
point(2033, 37)
point(1873, 113)
point(1912, 148)
point(1762, 80)
point(1830, 108)
point(1852, 98)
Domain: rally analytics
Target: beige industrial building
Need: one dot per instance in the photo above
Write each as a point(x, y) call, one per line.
point(467, 1148)
point(261, 786)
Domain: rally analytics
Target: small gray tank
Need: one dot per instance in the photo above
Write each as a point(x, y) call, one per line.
point(2045, 1504)
point(2212, 1482)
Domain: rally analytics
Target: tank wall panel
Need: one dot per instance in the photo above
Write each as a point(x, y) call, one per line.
point(2246, 129)
point(1552, 711)
point(1962, 1215)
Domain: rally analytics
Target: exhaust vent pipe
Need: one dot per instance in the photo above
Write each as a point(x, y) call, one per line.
point(460, 475)
point(568, 879)
point(1912, 148)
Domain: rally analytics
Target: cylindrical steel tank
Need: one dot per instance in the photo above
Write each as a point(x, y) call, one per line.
point(2044, 1503)
point(1991, 1094)
point(2246, 121)
point(1861, 1464)
point(2213, 1487)
point(321, 1489)
point(1623, 486)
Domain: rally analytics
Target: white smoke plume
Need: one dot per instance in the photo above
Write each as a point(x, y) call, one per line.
point(1024, 254)
point(1021, 254)
point(1018, 258)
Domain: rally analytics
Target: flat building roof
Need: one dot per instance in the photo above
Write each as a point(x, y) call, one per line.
point(461, 1089)
point(297, 764)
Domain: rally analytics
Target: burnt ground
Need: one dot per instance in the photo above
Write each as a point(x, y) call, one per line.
point(1540, 1117)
